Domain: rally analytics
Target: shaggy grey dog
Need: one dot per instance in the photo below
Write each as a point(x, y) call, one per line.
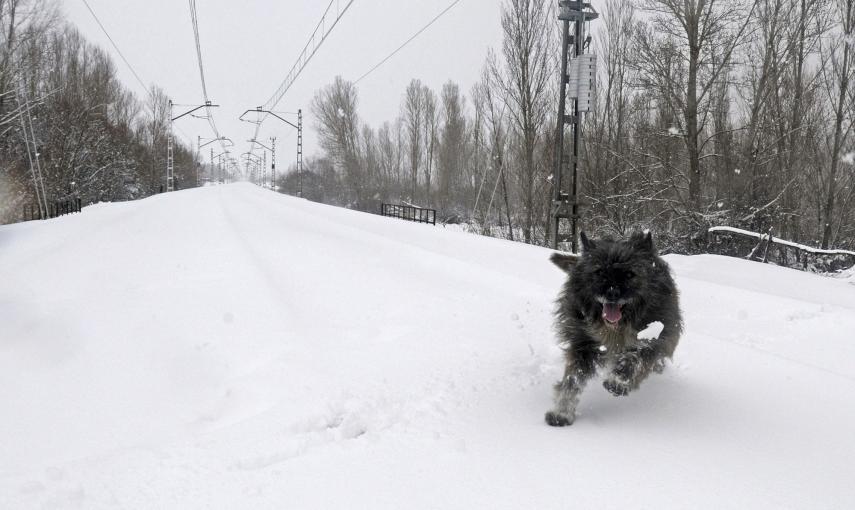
point(614, 291)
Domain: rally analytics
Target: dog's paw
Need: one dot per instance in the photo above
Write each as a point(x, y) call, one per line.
point(626, 368)
point(616, 387)
point(556, 419)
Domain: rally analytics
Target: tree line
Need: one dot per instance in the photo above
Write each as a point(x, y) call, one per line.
point(708, 112)
point(68, 128)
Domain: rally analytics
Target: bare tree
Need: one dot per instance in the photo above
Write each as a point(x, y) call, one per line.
point(619, 191)
point(429, 139)
point(838, 78)
point(685, 49)
point(334, 108)
point(452, 143)
point(528, 53)
point(494, 112)
point(390, 155)
point(414, 118)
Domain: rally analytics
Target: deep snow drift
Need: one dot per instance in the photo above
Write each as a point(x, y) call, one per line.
point(228, 347)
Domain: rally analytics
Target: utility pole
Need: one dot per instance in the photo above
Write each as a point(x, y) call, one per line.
point(576, 83)
point(170, 164)
point(197, 158)
point(299, 127)
point(209, 142)
point(273, 160)
point(33, 157)
point(300, 151)
point(272, 150)
point(254, 161)
point(221, 165)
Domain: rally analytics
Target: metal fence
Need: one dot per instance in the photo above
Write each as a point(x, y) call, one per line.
point(408, 212)
point(55, 209)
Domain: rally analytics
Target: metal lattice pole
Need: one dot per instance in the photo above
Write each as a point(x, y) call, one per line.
point(170, 163)
point(300, 151)
point(273, 160)
point(577, 139)
point(558, 172)
point(38, 181)
point(576, 83)
point(170, 169)
point(299, 127)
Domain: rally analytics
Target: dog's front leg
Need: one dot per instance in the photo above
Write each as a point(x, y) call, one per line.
point(624, 377)
point(633, 366)
point(580, 366)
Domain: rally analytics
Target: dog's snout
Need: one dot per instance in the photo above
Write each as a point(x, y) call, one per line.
point(612, 293)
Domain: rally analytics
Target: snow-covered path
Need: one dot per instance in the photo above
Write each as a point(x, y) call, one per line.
point(228, 347)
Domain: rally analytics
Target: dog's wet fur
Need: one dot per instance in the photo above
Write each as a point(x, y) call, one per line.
point(614, 289)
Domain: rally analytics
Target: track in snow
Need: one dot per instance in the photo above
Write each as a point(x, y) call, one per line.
point(229, 347)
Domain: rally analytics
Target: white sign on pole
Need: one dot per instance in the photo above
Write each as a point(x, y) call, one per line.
point(582, 75)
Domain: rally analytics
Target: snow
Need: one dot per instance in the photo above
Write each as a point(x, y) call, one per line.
point(847, 275)
point(651, 332)
point(228, 347)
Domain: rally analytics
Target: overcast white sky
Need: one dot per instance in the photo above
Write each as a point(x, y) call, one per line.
point(249, 46)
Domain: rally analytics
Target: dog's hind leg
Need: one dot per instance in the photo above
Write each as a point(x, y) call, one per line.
point(580, 366)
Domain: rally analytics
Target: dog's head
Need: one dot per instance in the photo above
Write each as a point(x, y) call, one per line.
point(610, 278)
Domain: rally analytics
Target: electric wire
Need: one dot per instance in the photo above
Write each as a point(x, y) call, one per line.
point(312, 45)
point(195, 21)
point(127, 63)
point(408, 41)
point(304, 58)
point(116, 47)
point(194, 18)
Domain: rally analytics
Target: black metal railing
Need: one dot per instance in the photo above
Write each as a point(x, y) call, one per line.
point(55, 209)
point(409, 213)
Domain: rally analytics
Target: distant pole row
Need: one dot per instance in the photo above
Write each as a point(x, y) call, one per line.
point(259, 111)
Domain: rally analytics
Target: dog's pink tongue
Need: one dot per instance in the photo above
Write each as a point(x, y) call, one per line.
point(611, 312)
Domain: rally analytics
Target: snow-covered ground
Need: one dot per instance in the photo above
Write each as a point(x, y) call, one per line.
point(848, 275)
point(228, 347)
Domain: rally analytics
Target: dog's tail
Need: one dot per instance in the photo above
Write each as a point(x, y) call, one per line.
point(565, 261)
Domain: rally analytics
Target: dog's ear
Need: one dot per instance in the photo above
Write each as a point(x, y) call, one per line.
point(564, 261)
point(587, 244)
point(644, 241)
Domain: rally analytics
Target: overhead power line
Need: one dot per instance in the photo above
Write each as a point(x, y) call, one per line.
point(116, 47)
point(322, 30)
point(194, 19)
point(210, 116)
point(399, 48)
point(324, 27)
point(127, 63)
